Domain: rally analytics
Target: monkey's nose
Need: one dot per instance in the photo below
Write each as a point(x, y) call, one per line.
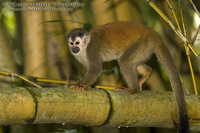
point(75, 50)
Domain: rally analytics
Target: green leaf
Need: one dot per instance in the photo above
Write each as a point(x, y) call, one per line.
point(117, 72)
point(86, 26)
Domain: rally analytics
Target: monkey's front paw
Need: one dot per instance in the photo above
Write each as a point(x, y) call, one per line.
point(79, 88)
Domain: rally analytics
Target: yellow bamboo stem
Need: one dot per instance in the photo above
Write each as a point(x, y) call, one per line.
point(179, 33)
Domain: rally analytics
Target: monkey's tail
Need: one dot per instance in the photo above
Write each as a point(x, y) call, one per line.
point(165, 58)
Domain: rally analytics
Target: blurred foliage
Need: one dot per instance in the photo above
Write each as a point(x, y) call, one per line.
point(10, 21)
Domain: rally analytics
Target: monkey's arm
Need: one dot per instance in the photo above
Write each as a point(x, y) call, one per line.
point(93, 72)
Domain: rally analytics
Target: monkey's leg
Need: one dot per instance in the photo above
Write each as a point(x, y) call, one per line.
point(145, 71)
point(130, 75)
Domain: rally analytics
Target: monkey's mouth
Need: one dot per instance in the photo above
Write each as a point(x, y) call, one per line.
point(75, 50)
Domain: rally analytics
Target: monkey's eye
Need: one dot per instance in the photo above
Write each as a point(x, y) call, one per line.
point(71, 43)
point(77, 43)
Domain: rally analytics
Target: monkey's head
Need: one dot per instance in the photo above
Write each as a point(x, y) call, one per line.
point(78, 39)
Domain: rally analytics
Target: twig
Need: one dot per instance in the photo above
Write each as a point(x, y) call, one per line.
point(25, 79)
point(195, 8)
point(36, 79)
point(195, 36)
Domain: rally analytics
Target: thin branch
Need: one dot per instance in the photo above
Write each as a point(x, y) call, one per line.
point(195, 36)
point(36, 79)
point(195, 8)
point(183, 38)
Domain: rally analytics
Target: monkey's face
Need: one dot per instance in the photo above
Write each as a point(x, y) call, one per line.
point(78, 44)
point(75, 45)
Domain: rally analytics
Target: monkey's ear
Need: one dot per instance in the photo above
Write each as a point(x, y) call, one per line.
point(87, 39)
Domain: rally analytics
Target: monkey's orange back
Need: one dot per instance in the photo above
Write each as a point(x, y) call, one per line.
point(119, 36)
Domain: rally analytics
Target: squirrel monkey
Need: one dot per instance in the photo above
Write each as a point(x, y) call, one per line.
point(131, 45)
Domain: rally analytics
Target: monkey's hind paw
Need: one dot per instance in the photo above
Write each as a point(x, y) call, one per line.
point(128, 91)
point(78, 88)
